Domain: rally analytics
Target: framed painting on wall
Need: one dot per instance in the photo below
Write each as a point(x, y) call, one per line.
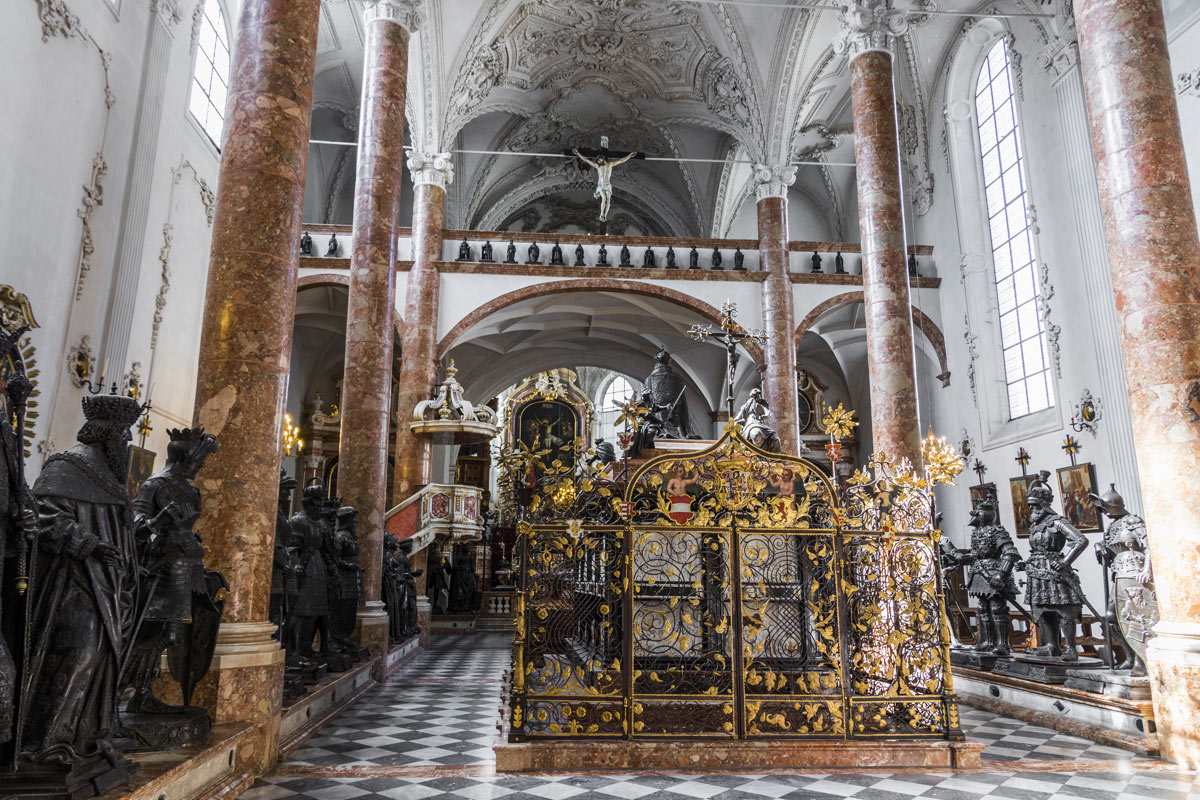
point(981, 492)
point(1019, 487)
point(1076, 484)
point(141, 466)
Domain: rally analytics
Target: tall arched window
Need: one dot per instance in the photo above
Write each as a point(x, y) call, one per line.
point(618, 392)
point(210, 78)
point(1022, 333)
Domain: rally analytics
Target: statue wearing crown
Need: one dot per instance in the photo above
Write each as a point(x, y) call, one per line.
point(83, 591)
point(180, 610)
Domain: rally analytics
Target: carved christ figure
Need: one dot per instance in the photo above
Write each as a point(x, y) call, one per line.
point(604, 169)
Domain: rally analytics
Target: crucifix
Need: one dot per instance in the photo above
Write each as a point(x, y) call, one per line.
point(603, 160)
point(979, 469)
point(1071, 447)
point(731, 335)
point(1023, 459)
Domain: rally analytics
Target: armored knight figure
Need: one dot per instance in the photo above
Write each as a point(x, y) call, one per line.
point(652, 425)
point(666, 389)
point(463, 588)
point(349, 588)
point(438, 587)
point(1132, 604)
point(284, 569)
point(180, 612)
point(408, 577)
point(485, 253)
point(82, 599)
point(556, 255)
point(393, 598)
point(753, 417)
point(1052, 591)
point(990, 561)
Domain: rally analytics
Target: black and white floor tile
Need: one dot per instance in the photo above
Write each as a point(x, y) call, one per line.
point(427, 735)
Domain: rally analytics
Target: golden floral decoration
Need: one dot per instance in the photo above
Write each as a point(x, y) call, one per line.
point(838, 422)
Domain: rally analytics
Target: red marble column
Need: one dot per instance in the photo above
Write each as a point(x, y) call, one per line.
point(890, 356)
point(779, 316)
point(1151, 229)
point(418, 367)
point(245, 348)
point(367, 379)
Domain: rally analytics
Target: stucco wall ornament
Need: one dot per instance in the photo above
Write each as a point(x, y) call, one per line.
point(432, 168)
point(773, 181)
point(1087, 413)
point(1052, 330)
point(1188, 83)
point(972, 341)
point(58, 20)
point(409, 13)
point(867, 27)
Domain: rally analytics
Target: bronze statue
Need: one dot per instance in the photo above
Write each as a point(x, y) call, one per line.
point(18, 524)
point(653, 425)
point(602, 257)
point(753, 416)
point(306, 245)
point(739, 260)
point(912, 265)
point(348, 595)
point(839, 264)
point(485, 253)
point(438, 586)
point(579, 262)
point(693, 259)
point(179, 612)
point(1052, 590)
point(625, 256)
point(556, 257)
point(82, 600)
point(464, 592)
point(816, 261)
point(285, 571)
point(332, 250)
point(1132, 607)
point(666, 389)
point(716, 259)
point(648, 258)
point(990, 561)
point(311, 611)
point(605, 452)
point(408, 577)
point(392, 591)
point(464, 251)
point(670, 258)
point(510, 256)
point(534, 254)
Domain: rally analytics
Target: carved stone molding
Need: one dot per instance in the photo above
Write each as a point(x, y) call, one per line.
point(197, 18)
point(436, 169)
point(408, 13)
point(58, 20)
point(773, 181)
point(972, 341)
point(1052, 330)
point(869, 26)
point(209, 200)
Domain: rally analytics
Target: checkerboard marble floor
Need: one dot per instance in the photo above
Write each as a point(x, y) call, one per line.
point(428, 732)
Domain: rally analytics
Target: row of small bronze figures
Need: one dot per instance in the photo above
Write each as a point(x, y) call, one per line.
point(96, 587)
point(1054, 599)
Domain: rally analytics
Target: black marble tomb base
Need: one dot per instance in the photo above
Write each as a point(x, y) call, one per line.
point(1043, 670)
point(167, 731)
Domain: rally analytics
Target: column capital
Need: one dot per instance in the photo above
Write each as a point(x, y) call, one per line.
point(407, 13)
point(432, 168)
point(773, 181)
point(868, 26)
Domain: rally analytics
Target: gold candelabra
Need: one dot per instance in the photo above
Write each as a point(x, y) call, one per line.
point(292, 443)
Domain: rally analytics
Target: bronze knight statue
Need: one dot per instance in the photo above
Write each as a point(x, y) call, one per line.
point(1052, 591)
point(349, 594)
point(1132, 608)
point(180, 611)
point(666, 389)
point(990, 561)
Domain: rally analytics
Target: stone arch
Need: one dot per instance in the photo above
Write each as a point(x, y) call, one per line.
point(921, 322)
point(343, 279)
point(588, 285)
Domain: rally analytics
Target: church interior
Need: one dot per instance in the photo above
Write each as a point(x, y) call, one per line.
point(604, 399)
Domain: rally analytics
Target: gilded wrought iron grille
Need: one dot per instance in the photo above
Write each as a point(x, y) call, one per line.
point(732, 593)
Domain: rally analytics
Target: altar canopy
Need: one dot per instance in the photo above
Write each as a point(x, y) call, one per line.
point(732, 593)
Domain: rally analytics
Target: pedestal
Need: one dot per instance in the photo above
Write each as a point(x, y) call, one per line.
point(1044, 670)
point(425, 621)
point(1110, 684)
point(167, 731)
point(371, 631)
point(973, 659)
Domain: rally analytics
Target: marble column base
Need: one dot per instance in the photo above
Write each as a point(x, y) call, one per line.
point(1174, 661)
point(425, 621)
point(245, 684)
point(371, 631)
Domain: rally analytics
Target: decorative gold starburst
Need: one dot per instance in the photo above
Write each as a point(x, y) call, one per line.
point(942, 462)
point(631, 415)
point(838, 422)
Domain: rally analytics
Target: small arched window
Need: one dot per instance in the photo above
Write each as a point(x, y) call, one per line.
point(210, 77)
point(618, 393)
point(1022, 332)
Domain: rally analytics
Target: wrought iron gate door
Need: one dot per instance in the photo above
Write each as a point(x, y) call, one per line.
point(732, 593)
